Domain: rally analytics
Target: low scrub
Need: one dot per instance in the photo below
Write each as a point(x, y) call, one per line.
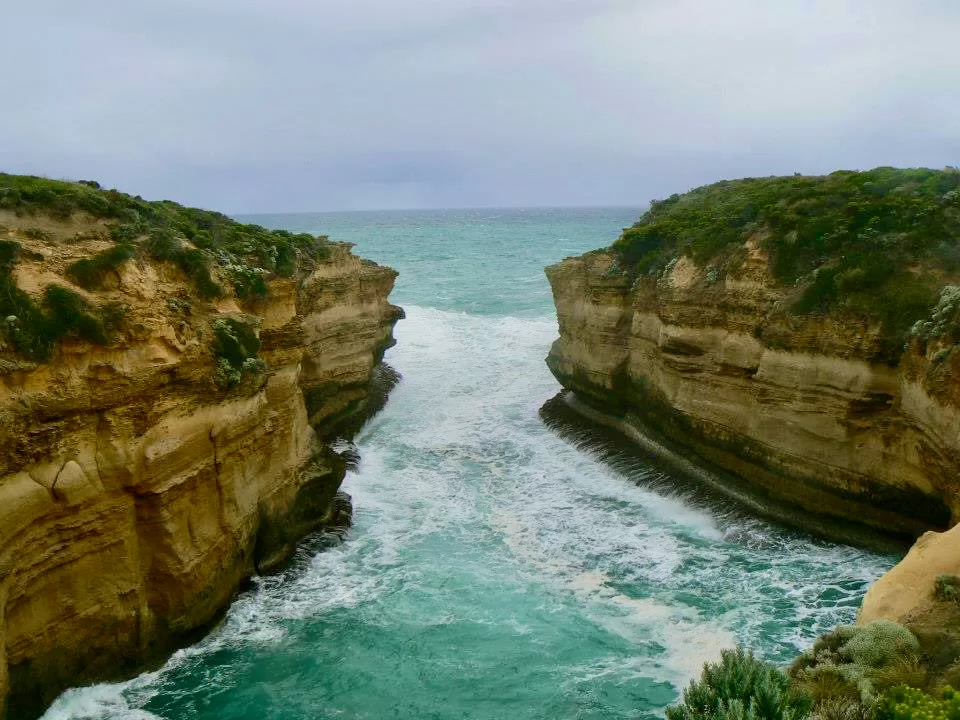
point(908, 703)
point(34, 329)
point(192, 239)
point(854, 662)
point(236, 347)
point(741, 687)
point(871, 245)
point(90, 273)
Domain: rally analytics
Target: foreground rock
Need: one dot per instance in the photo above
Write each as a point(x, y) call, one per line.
point(829, 410)
point(922, 592)
point(143, 480)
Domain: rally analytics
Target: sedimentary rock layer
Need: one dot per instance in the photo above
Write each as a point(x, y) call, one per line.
point(798, 407)
point(136, 495)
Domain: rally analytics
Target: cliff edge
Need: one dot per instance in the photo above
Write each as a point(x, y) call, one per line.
point(169, 382)
point(798, 333)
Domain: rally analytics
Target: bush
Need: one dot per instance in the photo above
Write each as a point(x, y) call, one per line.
point(71, 314)
point(879, 643)
point(852, 662)
point(946, 588)
point(236, 346)
point(35, 330)
point(163, 245)
point(907, 703)
point(739, 687)
point(248, 283)
point(90, 273)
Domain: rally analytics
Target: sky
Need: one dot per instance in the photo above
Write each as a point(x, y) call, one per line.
point(308, 105)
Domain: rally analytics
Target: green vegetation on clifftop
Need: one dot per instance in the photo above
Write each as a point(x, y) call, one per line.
point(34, 329)
point(878, 671)
point(192, 239)
point(872, 244)
point(112, 228)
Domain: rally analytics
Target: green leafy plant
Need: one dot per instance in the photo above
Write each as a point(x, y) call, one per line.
point(33, 329)
point(879, 643)
point(165, 246)
point(946, 588)
point(90, 273)
point(853, 662)
point(236, 346)
point(907, 703)
point(739, 687)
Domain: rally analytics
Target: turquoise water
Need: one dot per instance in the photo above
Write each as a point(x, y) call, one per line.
point(494, 570)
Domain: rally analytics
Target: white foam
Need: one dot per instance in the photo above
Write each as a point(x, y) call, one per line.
point(460, 454)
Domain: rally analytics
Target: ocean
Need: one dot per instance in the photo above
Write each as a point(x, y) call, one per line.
point(494, 569)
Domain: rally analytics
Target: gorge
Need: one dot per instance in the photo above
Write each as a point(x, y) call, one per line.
point(493, 569)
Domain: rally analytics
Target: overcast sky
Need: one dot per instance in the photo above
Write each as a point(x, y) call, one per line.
point(284, 105)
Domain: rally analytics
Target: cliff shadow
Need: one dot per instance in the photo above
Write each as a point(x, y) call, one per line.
point(632, 451)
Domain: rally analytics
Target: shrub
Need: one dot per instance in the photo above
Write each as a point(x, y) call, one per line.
point(235, 344)
point(71, 314)
point(163, 245)
point(89, 273)
point(903, 670)
point(248, 283)
point(225, 375)
point(946, 588)
point(852, 662)
point(34, 330)
point(739, 687)
point(907, 703)
point(840, 708)
point(879, 643)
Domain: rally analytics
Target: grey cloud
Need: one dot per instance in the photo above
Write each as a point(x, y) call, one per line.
point(251, 105)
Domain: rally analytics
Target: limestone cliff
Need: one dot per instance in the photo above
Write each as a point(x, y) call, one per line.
point(710, 349)
point(144, 478)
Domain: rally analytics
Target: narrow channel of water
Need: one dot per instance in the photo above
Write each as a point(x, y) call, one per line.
point(494, 570)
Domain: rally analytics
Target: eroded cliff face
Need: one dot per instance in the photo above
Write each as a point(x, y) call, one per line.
point(801, 408)
point(135, 494)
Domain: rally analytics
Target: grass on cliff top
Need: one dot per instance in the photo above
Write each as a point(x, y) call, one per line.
point(872, 244)
point(192, 239)
point(34, 329)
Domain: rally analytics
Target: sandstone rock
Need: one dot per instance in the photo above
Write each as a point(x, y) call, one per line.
point(905, 593)
point(136, 496)
point(797, 407)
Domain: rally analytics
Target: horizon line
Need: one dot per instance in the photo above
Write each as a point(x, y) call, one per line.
point(437, 209)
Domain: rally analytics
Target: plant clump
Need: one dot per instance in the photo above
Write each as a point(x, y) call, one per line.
point(848, 669)
point(907, 703)
point(236, 347)
point(90, 273)
point(943, 320)
point(946, 588)
point(35, 329)
point(741, 687)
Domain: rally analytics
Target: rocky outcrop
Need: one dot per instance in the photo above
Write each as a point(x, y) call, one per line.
point(136, 494)
point(802, 410)
point(922, 592)
point(906, 594)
